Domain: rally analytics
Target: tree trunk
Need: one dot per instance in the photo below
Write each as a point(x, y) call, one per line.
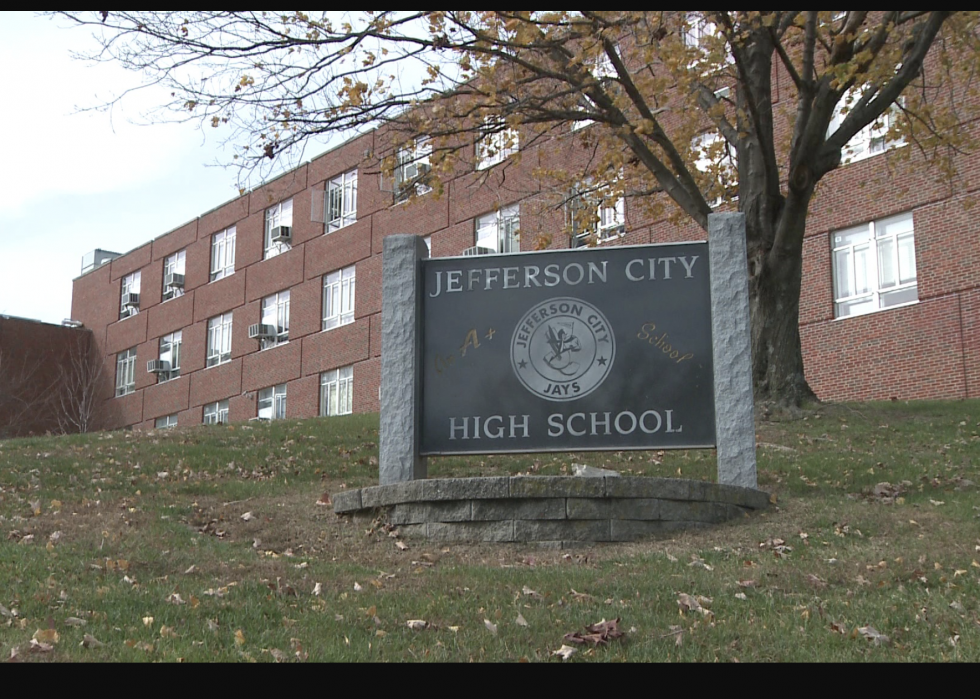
point(777, 353)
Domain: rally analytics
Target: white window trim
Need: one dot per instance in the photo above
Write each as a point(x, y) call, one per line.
point(339, 312)
point(875, 293)
point(339, 382)
point(610, 218)
point(170, 422)
point(223, 254)
point(280, 302)
point(502, 228)
point(279, 215)
point(174, 264)
point(174, 341)
point(496, 145)
point(222, 327)
point(870, 141)
point(275, 396)
point(216, 413)
point(726, 163)
point(126, 373)
point(413, 162)
point(698, 28)
point(130, 285)
point(341, 201)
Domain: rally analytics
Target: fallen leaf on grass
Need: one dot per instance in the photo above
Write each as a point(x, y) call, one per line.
point(401, 545)
point(491, 627)
point(89, 641)
point(358, 588)
point(528, 592)
point(167, 632)
point(39, 647)
point(597, 634)
point(521, 621)
point(277, 655)
point(565, 652)
point(417, 624)
point(239, 638)
point(742, 596)
point(75, 622)
point(325, 500)
point(248, 517)
point(191, 570)
point(175, 598)
point(697, 562)
point(298, 651)
point(747, 584)
point(6, 613)
point(816, 582)
point(838, 628)
point(581, 596)
point(46, 636)
point(317, 590)
point(147, 621)
point(958, 608)
point(872, 635)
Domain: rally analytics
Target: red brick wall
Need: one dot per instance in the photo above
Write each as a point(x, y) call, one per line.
point(929, 350)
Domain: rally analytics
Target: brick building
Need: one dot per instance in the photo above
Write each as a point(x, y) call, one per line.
point(39, 363)
point(269, 305)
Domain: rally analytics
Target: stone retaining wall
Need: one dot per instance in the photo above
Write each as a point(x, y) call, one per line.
point(551, 510)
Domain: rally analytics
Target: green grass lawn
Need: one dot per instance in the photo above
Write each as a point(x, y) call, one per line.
point(212, 544)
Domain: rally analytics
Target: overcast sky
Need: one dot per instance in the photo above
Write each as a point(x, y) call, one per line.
point(70, 182)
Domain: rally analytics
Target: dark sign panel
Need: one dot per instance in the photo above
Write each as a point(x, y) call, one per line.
point(603, 349)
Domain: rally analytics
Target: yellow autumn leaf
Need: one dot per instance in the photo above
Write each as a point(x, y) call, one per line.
point(239, 638)
point(46, 636)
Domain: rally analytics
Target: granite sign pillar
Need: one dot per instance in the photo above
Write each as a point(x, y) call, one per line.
point(401, 349)
point(732, 339)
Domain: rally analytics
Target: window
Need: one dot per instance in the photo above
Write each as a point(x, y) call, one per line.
point(170, 353)
point(272, 403)
point(130, 298)
point(219, 340)
point(699, 34)
point(412, 170)
point(173, 275)
point(338, 298)
point(603, 70)
point(872, 139)
point(717, 159)
point(874, 266)
point(216, 413)
point(275, 313)
point(498, 232)
point(592, 216)
point(278, 229)
point(166, 423)
point(337, 392)
point(223, 254)
point(126, 373)
point(342, 201)
point(498, 143)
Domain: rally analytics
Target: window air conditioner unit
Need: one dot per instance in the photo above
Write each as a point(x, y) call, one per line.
point(262, 332)
point(612, 232)
point(282, 234)
point(174, 280)
point(156, 366)
point(470, 252)
point(131, 300)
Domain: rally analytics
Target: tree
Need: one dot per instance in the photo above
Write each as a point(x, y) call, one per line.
point(650, 83)
point(80, 388)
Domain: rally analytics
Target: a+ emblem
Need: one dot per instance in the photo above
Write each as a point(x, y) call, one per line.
point(491, 334)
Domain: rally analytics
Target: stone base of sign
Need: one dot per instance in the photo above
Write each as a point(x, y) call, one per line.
point(555, 511)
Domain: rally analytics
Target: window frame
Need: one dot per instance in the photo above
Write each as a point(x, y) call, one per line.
point(275, 396)
point(506, 226)
point(130, 284)
point(341, 195)
point(223, 244)
point(870, 141)
point(279, 215)
point(279, 303)
point(340, 282)
point(213, 413)
point(340, 383)
point(874, 292)
point(173, 264)
point(497, 143)
point(418, 154)
point(173, 342)
point(126, 373)
point(171, 422)
point(609, 214)
point(727, 165)
point(224, 325)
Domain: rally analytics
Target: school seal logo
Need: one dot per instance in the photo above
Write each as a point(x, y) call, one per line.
point(563, 349)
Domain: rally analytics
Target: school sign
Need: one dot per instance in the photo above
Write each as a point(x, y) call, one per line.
point(601, 349)
point(586, 350)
